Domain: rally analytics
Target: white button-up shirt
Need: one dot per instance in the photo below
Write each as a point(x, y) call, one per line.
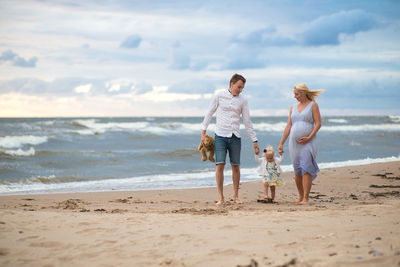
point(229, 108)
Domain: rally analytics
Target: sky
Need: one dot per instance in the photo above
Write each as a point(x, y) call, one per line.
point(168, 58)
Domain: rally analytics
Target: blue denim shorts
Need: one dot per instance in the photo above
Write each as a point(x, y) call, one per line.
point(232, 144)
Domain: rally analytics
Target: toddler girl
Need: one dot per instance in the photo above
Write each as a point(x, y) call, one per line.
point(270, 171)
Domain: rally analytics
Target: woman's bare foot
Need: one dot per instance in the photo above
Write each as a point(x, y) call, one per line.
point(298, 201)
point(304, 202)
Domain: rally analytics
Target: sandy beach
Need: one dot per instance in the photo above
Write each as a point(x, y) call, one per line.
point(353, 220)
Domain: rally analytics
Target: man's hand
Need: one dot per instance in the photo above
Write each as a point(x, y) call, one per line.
point(203, 137)
point(256, 148)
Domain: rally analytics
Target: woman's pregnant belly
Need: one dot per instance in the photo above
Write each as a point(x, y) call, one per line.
point(300, 129)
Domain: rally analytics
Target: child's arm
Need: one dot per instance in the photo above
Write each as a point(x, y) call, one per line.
point(259, 160)
point(279, 159)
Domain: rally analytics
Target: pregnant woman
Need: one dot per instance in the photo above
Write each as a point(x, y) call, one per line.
point(303, 124)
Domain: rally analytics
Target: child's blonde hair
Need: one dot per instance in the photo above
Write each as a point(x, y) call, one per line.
point(311, 95)
point(270, 150)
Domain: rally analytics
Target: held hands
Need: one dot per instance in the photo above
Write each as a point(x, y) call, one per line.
point(256, 148)
point(280, 149)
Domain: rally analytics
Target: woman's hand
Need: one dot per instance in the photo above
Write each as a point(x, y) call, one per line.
point(280, 149)
point(304, 140)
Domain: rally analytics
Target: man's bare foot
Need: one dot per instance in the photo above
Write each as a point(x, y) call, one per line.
point(304, 202)
point(266, 197)
point(220, 202)
point(237, 201)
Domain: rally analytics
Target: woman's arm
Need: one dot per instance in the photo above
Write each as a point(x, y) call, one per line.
point(317, 120)
point(286, 132)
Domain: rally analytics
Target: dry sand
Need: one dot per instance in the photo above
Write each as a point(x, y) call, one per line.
point(353, 220)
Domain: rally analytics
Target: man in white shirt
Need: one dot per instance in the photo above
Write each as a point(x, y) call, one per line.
point(229, 105)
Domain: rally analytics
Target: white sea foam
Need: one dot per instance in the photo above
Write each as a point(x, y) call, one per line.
point(20, 152)
point(338, 120)
point(19, 141)
point(280, 126)
point(394, 118)
point(362, 128)
point(268, 127)
point(163, 181)
point(92, 126)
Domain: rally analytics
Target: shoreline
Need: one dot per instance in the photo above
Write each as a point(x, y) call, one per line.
point(352, 220)
point(126, 182)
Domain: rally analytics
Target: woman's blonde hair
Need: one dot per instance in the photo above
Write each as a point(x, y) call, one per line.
point(302, 87)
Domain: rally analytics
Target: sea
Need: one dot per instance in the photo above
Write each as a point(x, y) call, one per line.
point(63, 155)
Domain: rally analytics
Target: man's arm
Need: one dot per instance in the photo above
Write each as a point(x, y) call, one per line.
point(207, 118)
point(249, 126)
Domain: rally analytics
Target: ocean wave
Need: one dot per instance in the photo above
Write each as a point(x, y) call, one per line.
point(280, 127)
point(19, 152)
point(180, 153)
point(94, 127)
point(36, 181)
point(338, 120)
point(189, 179)
point(19, 141)
point(395, 119)
point(362, 128)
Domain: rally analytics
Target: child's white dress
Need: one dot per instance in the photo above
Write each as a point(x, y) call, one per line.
point(270, 171)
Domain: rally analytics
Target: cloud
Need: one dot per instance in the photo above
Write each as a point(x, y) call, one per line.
point(141, 88)
point(241, 57)
point(267, 36)
point(196, 86)
point(70, 86)
point(180, 58)
point(83, 89)
point(132, 41)
point(326, 30)
point(10, 56)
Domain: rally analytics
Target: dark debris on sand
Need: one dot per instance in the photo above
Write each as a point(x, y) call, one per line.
point(253, 263)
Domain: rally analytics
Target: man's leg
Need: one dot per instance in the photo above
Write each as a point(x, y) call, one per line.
point(236, 181)
point(219, 176)
point(220, 156)
point(234, 148)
